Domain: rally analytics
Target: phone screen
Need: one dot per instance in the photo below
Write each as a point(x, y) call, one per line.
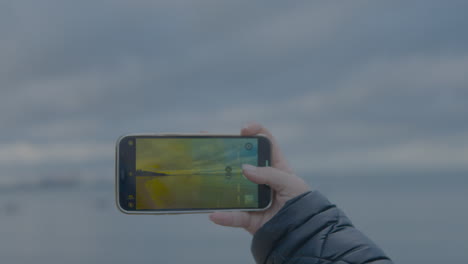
point(190, 173)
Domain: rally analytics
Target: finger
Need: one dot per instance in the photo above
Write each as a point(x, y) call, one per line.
point(278, 159)
point(277, 179)
point(232, 219)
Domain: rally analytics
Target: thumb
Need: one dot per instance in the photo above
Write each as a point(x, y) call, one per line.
point(232, 219)
point(277, 179)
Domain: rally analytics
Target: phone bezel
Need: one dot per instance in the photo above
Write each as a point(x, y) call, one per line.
point(265, 192)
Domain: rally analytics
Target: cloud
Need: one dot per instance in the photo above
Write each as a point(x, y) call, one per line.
point(421, 155)
point(384, 114)
point(24, 154)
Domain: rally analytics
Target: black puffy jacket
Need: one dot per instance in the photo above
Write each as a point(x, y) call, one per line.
point(309, 229)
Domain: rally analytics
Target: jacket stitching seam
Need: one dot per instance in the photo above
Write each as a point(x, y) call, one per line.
point(296, 225)
point(328, 233)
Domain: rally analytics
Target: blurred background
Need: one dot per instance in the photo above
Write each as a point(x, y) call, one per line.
point(368, 100)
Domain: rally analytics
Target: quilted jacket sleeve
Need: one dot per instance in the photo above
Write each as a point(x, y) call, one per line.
point(309, 229)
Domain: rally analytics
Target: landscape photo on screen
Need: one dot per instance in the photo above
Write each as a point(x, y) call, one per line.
point(195, 173)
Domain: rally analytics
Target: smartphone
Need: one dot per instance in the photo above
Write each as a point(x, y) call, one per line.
point(169, 174)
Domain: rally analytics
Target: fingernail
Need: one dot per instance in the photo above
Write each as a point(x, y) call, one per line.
point(249, 168)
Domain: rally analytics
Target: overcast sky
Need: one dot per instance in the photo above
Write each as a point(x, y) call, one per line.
point(344, 86)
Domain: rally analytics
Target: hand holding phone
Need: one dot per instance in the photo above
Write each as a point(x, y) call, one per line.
point(279, 177)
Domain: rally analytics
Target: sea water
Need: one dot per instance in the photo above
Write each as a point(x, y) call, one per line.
point(415, 219)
